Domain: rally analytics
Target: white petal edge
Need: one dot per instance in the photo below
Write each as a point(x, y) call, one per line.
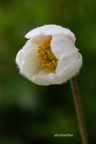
point(51, 30)
point(27, 60)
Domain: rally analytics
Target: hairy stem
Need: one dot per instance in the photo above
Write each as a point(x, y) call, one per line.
point(78, 108)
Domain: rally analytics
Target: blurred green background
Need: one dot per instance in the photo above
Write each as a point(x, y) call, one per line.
point(33, 114)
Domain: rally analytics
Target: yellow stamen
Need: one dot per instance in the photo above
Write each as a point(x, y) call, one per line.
point(46, 56)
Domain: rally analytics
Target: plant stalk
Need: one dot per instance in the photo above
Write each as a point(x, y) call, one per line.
point(79, 112)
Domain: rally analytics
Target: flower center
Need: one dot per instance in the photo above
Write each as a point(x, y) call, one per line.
point(46, 56)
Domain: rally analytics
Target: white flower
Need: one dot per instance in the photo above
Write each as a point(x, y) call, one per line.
point(49, 56)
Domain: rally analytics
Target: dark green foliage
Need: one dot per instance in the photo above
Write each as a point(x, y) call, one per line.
point(33, 114)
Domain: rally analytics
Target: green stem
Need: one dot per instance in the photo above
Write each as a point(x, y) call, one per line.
point(78, 108)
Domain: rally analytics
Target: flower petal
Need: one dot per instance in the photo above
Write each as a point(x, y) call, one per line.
point(51, 30)
point(61, 46)
point(66, 61)
point(45, 78)
point(27, 60)
point(71, 70)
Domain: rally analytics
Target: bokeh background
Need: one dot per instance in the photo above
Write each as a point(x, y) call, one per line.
point(32, 114)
